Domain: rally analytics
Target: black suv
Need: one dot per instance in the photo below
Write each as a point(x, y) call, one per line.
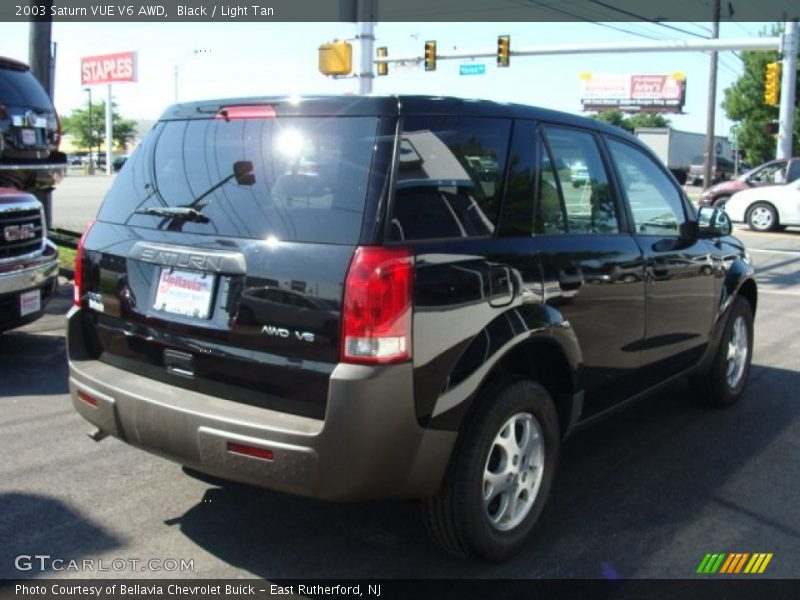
point(30, 131)
point(453, 306)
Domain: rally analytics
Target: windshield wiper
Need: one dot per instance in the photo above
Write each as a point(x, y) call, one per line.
point(181, 213)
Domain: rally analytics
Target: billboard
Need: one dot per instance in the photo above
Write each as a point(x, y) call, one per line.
point(108, 68)
point(633, 93)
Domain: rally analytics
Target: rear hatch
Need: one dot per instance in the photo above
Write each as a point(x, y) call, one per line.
point(219, 256)
point(28, 122)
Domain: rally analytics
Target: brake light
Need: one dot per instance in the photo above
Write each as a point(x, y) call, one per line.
point(246, 111)
point(78, 287)
point(376, 317)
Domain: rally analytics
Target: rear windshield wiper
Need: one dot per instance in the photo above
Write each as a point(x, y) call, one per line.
point(182, 213)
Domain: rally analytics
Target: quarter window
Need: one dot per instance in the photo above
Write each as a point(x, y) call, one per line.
point(655, 202)
point(450, 177)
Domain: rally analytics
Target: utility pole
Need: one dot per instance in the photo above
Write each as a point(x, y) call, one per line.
point(708, 165)
point(366, 12)
point(39, 48)
point(789, 78)
point(39, 57)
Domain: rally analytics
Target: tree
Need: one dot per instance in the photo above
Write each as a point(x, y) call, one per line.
point(77, 125)
point(629, 124)
point(744, 102)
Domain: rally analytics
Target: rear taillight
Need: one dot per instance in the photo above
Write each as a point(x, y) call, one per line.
point(78, 288)
point(57, 140)
point(376, 318)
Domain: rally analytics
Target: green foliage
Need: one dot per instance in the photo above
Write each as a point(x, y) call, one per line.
point(630, 123)
point(77, 125)
point(744, 102)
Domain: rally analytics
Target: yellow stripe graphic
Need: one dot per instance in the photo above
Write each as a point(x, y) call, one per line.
point(753, 562)
point(765, 563)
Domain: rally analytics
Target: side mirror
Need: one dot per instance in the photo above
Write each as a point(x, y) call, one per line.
point(713, 222)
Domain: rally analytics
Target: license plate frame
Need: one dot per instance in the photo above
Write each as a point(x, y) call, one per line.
point(184, 293)
point(30, 302)
point(28, 136)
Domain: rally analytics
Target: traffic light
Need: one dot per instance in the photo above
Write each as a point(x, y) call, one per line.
point(336, 58)
point(772, 85)
point(430, 55)
point(382, 68)
point(772, 128)
point(503, 50)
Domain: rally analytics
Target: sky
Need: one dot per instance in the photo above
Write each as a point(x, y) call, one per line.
point(262, 59)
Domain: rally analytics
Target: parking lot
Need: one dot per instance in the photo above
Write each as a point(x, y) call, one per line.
point(646, 493)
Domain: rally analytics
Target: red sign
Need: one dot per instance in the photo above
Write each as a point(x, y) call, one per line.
point(108, 68)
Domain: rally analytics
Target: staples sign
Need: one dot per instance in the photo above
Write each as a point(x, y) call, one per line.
point(109, 68)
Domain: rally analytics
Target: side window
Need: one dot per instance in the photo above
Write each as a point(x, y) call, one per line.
point(587, 195)
point(655, 202)
point(769, 173)
point(450, 177)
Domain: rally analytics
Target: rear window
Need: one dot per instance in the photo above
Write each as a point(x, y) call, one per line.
point(307, 184)
point(21, 88)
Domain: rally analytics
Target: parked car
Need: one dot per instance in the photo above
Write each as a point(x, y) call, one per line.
point(766, 208)
point(475, 323)
point(722, 171)
point(30, 131)
point(28, 261)
point(771, 173)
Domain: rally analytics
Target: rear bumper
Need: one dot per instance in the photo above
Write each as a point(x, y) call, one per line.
point(369, 445)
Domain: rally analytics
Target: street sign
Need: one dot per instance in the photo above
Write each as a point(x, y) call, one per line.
point(733, 132)
point(472, 69)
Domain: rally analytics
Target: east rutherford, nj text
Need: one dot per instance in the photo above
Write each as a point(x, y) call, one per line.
point(325, 590)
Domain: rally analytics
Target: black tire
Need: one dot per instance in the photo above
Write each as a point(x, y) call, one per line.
point(456, 518)
point(762, 216)
point(720, 201)
point(713, 387)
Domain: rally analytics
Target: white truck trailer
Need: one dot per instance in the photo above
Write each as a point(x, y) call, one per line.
point(678, 150)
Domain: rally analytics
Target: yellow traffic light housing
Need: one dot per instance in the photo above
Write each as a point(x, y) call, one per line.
point(430, 55)
point(382, 68)
point(503, 50)
point(772, 85)
point(336, 58)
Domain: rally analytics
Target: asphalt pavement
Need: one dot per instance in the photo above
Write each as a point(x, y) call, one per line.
point(645, 493)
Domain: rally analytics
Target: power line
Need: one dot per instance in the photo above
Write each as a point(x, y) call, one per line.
point(641, 18)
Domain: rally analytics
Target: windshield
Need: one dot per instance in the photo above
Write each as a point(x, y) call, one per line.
point(308, 180)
